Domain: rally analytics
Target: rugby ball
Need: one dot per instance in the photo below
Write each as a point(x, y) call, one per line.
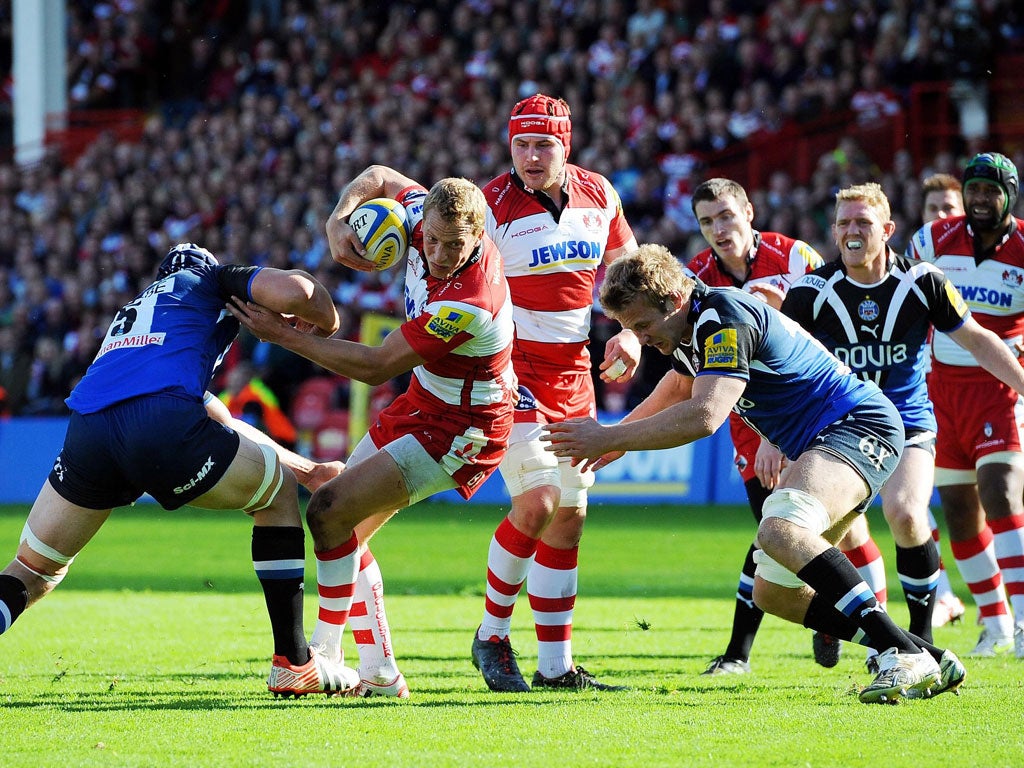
point(383, 228)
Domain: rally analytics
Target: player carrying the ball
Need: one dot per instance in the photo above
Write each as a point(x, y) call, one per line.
point(449, 430)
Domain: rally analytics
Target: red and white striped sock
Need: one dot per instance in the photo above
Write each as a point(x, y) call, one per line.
point(867, 559)
point(369, 622)
point(508, 561)
point(336, 571)
point(1008, 540)
point(943, 588)
point(976, 560)
point(552, 591)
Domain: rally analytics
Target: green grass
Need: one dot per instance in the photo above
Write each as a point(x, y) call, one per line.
point(154, 650)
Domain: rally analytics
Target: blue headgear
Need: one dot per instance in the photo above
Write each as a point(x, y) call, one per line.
point(999, 169)
point(184, 256)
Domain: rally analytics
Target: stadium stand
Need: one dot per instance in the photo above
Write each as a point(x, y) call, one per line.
point(233, 124)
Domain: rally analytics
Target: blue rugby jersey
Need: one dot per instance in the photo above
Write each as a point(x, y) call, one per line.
point(881, 330)
point(168, 339)
point(795, 387)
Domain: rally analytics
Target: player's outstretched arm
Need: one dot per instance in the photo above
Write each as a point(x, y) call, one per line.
point(309, 473)
point(371, 365)
point(699, 416)
point(991, 353)
point(298, 295)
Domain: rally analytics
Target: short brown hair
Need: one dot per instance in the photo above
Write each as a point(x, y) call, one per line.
point(650, 274)
point(939, 182)
point(717, 188)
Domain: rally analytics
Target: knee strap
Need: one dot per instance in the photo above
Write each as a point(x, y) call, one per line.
point(799, 508)
point(271, 471)
point(32, 542)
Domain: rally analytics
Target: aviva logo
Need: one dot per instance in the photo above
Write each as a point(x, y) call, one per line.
point(447, 322)
point(722, 350)
point(956, 299)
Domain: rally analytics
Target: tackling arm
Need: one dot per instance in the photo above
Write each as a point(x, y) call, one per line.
point(297, 294)
point(684, 422)
point(371, 365)
point(309, 473)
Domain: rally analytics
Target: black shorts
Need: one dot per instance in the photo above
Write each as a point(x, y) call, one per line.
point(163, 445)
point(870, 439)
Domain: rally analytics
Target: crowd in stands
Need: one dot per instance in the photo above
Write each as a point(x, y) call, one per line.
point(259, 111)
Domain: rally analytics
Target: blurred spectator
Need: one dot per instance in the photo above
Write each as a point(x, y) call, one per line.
point(15, 370)
point(873, 102)
point(251, 400)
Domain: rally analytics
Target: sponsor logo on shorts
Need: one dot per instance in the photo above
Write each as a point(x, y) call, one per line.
point(197, 479)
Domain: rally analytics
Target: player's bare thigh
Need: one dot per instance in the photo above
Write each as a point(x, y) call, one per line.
point(905, 497)
point(257, 483)
point(831, 481)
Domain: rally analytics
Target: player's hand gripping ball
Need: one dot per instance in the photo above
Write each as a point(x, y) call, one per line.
point(383, 228)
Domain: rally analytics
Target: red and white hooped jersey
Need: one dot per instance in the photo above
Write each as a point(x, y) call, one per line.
point(779, 261)
point(551, 264)
point(776, 259)
point(993, 288)
point(459, 402)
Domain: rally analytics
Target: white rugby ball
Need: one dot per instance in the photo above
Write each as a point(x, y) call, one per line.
point(383, 228)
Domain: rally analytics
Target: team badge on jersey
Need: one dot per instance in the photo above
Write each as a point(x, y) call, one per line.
point(448, 322)
point(1013, 278)
point(868, 310)
point(722, 350)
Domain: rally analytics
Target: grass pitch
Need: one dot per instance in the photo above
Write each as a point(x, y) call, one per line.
point(154, 651)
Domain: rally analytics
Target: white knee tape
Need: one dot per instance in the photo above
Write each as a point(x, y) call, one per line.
point(271, 471)
point(527, 465)
point(772, 571)
point(799, 508)
point(30, 540)
point(574, 484)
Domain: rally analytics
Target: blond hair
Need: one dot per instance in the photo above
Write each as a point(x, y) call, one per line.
point(870, 194)
point(458, 201)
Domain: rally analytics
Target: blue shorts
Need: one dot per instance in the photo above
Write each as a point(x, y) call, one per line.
point(163, 445)
point(870, 439)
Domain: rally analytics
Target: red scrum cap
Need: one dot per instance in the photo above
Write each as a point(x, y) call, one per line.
point(541, 115)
